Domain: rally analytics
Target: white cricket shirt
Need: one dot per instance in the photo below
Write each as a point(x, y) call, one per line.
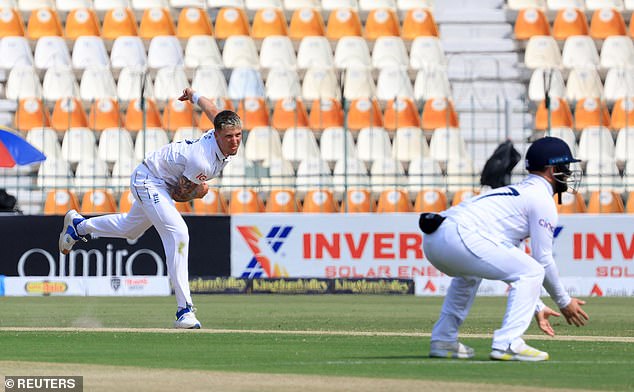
point(199, 160)
point(512, 213)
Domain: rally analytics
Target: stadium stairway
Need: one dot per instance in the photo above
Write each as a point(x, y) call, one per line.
point(486, 71)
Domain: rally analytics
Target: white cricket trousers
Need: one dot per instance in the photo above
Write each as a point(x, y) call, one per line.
point(469, 256)
point(152, 206)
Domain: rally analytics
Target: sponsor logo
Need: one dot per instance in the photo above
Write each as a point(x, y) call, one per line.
point(136, 283)
point(290, 286)
point(346, 246)
point(155, 198)
point(202, 177)
point(45, 287)
point(596, 291)
point(378, 286)
point(547, 225)
point(114, 262)
point(607, 246)
point(261, 263)
point(115, 283)
point(218, 285)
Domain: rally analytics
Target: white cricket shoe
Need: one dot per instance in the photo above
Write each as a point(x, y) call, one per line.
point(454, 350)
point(68, 237)
point(519, 352)
point(186, 319)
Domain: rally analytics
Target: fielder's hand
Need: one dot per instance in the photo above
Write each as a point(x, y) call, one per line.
point(574, 314)
point(187, 95)
point(542, 320)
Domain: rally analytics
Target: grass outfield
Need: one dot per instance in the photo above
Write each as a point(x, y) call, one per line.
point(397, 350)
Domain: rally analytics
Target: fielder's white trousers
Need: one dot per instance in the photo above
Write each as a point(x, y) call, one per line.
point(152, 206)
point(469, 256)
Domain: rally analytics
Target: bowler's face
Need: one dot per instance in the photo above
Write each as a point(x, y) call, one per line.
point(228, 140)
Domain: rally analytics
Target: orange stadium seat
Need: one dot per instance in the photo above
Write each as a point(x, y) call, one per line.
point(570, 203)
point(155, 22)
point(282, 200)
point(570, 22)
point(68, 113)
point(622, 113)
point(439, 113)
point(325, 113)
point(400, 113)
point(119, 22)
point(184, 207)
point(358, 201)
point(125, 201)
point(193, 21)
point(178, 114)
point(419, 22)
point(606, 22)
point(42, 23)
point(630, 203)
point(364, 112)
point(81, 21)
point(11, 24)
point(205, 123)
point(59, 201)
point(342, 23)
point(393, 200)
point(381, 22)
point(590, 112)
point(231, 21)
point(430, 200)
point(605, 202)
point(268, 21)
point(288, 113)
point(322, 200)
point(462, 195)
point(98, 201)
point(104, 113)
point(531, 22)
point(245, 201)
point(560, 115)
point(306, 22)
point(134, 115)
point(212, 203)
point(254, 112)
point(31, 114)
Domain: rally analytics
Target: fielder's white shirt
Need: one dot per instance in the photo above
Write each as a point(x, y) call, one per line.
point(512, 213)
point(199, 160)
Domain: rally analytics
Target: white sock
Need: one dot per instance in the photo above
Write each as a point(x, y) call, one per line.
point(81, 228)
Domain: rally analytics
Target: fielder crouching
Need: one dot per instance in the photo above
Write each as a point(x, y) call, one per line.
point(478, 239)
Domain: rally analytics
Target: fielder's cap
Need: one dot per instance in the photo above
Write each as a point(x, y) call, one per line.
point(548, 151)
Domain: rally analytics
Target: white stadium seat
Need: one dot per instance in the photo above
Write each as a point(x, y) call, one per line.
point(51, 52)
point(277, 52)
point(373, 143)
point(59, 82)
point(542, 52)
point(148, 141)
point(393, 82)
point(23, 82)
point(97, 82)
point(128, 51)
point(389, 52)
point(282, 83)
point(245, 82)
point(320, 83)
point(315, 52)
point(240, 51)
point(130, 81)
point(352, 52)
point(579, 51)
point(170, 83)
point(15, 51)
point(209, 81)
point(89, 51)
point(164, 51)
point(202, 50)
